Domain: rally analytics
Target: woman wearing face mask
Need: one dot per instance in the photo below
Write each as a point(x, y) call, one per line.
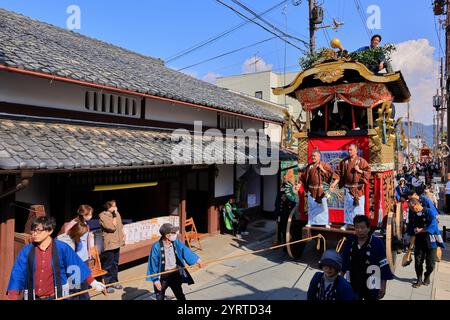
point(170, 254)
point(77, 230)
point(113, 239)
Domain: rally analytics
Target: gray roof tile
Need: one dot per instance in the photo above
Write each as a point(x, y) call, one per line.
point(37, 46)
point(96, 147)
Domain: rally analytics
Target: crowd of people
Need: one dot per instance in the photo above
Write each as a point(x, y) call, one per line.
point(53, 267)
point(44, 269)
point(362, 251)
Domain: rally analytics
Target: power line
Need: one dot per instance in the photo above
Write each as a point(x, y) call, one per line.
point(218, 36)
point(268, 23)
point(327, 36)
point(265, 54)
point(226, 53)
point(361, 16)
point(438, 36)
point(245, 17)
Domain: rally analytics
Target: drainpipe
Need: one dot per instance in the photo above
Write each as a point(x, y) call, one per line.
point(25, 177)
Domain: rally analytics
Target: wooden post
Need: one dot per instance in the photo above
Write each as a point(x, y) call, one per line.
point(182, 205)
point(261, 193)
point(370, 118)
point(308, 120)
point(6, 235)
point(213, 216)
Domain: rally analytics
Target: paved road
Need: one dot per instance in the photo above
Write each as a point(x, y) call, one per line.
point(273, 275)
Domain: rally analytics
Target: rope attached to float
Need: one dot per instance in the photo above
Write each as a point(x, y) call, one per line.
point(319, 236)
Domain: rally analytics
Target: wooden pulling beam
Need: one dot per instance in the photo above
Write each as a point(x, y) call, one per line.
point(206, 262)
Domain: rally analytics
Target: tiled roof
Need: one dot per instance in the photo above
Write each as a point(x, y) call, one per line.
point(43, 144)
point(32, 45)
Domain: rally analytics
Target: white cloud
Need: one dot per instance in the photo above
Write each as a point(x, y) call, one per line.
point(255, 64)
point(415, 59)
point(210, 77)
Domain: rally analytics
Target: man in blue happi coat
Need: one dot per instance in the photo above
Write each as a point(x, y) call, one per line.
point(365, 263)
point(424, 201)
point(46, 269)
point(424, 226)
point(381, 62)
point(170, 254)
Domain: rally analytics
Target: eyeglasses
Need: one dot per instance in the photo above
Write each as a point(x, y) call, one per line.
point(38, 231)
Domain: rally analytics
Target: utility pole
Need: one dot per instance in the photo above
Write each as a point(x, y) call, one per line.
point(434, 136)
point(312, 26)
point(447, 68)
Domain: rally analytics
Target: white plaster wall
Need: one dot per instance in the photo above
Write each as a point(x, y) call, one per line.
point(30, 90)
point(278, 81)
point(170, 112)
point(224, 181)
point(250, 123)
point(248, 83)
point(263, 81)
point(38, 192)
point(274, 132)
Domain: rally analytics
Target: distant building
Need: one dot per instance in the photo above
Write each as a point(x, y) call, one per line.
point(260, 84)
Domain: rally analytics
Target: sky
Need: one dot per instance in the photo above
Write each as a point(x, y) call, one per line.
point(165, 28)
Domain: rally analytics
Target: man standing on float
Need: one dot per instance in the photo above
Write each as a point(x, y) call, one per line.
point(352, 174)
point(316, 173)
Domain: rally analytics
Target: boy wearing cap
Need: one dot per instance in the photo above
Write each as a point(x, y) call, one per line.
point(170, 254)
point(329, 285)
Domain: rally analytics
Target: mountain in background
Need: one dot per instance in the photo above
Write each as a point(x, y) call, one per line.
point(419, 129)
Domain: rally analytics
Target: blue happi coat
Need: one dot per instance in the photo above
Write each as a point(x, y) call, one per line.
point(69, 262)
point(342, 290)
point(431, 226)
point(375, 256)
point(182, 253)
point(427, 203)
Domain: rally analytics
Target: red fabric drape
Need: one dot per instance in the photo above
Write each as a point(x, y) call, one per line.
point(363, 94)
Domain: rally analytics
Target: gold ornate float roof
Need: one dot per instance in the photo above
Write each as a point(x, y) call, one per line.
point(344, 71)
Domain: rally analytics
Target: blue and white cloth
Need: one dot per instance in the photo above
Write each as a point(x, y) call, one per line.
point(350, 211)
point(317, 212)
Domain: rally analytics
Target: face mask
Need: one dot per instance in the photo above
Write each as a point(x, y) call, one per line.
point(172, 237)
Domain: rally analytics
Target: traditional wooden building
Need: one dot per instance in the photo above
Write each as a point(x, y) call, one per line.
point(84, 121)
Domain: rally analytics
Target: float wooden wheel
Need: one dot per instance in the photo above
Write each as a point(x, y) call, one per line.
point(391, 252)
point(294, 233)
point(398, 221)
